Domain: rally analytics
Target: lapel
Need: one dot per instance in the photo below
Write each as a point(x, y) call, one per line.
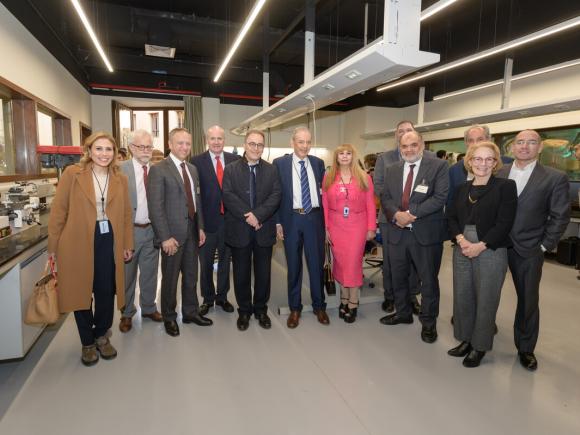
point(85, 180)
point(130, 172)
point(535, 177)
point(397, 174)
point(208, 161)
point(173, 171)
point(115, 187)
point(423, 169)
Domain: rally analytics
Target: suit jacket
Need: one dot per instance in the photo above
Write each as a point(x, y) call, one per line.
point(211, 192)
point(386, 159)
point(493, 214)
point(236, 194)
point(430, 226)
point(543, 210)
point(284, 165)
point(167, 201)
point(128, 169)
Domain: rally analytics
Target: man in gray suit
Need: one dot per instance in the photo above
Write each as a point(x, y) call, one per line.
point(412, 199)
point(385, 160)
point(174, 201)
point(146, 256)
point(542, 217)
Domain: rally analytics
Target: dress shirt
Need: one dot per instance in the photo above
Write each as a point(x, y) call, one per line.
point(214, 161)
point(406, 169)
point(522, 176)
point(297, 188)
point(177, 163)
point(141, 212)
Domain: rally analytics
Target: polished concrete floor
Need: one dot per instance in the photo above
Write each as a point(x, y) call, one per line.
point(363, 378)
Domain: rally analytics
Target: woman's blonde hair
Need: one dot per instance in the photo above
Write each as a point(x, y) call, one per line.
point(485, 144)
point(356, 171)
point(89, 141)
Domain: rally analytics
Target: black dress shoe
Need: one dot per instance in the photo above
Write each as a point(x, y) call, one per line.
point(528, 361)
point(460, 351)
point(395, 319)
point(429, 335)
point(243, 322)
point(226, 306)
point(473, 358)
point(264, 321)
point(198, 319)
point(171, 327)
point(415, 305)
point(204, 308)
point(388, 306)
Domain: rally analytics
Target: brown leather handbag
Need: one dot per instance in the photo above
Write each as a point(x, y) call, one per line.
point(329, 283)
point(42, 306)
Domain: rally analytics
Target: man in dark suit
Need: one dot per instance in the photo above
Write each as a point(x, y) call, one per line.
point(300, 223)
point(412, 199)
point(251, 194)
point(210, 166)
point(542, 217)
point(146, 256)
point(176, 215)
point(385, 160)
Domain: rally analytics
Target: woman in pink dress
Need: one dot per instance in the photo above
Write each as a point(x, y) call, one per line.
point(350, 219)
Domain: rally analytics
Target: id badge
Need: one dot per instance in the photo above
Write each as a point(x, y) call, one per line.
point(345, 211)
point(422, 188)
point(104, 227)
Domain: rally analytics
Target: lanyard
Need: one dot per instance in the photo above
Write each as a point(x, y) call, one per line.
point(102, 190)
point(344, 187)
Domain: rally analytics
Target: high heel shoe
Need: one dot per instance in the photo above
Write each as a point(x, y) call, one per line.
point(342, 309)
point(350, 316)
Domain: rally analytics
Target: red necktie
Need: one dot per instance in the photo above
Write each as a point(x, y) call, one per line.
point(145, 177)
point(407, 189)
point(188, 193)
point(219, 169)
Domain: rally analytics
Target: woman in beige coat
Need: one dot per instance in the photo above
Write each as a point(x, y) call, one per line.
point(90, 235)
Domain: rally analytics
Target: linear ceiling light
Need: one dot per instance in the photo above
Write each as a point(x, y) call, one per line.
point(487, 53)
point(514, 78)
point(91, 33)
point(435, 8)
point(249, 21)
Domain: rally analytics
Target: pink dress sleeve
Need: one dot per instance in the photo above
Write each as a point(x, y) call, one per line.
point(370, 202)
point(325, 202)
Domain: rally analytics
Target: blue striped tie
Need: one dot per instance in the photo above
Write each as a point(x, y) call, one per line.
point(305, 188)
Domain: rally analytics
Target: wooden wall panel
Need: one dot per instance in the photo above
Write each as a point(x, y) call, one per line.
point(25, 136)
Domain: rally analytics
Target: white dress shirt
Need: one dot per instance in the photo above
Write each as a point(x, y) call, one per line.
point(214, 161)
point(296, 186)
point(407, 168)
point(522, 176)
point(141, 213)
point(177, 163)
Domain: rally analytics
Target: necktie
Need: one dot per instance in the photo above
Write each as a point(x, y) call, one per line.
point(305, 189)
point(188, 193)
point(407, 189)
point(253, 186)
point(219, 169)
point(145, 176)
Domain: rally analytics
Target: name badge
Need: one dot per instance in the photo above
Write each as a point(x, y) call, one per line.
point(104, 227)
point(422, 188)
point(342, 189)
point(197, 190)
point(345, 212)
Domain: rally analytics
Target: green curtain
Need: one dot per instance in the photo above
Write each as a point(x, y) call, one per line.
point(193, 121)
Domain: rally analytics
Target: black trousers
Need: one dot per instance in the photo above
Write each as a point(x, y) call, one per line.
point(94, 325)
point(215, 241)
point(526, 273)
point(242, 259)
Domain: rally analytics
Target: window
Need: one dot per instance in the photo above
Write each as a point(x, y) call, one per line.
point(6, 148)
point(154, 124)
point(45, 128)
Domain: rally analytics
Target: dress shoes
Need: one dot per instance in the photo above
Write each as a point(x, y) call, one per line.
point(155, 316)
point(429, 335)
point(198, 319)
point(264, 321)
point(293, 319)
point(528, 361)
point(243, 322)
point(473, 358)
point(204, 308)
point(460, 351)
point(125, 324)
point(395, 319)
point(415, 305)
point(171, 328)
point(226, 306)
point(322, 317)
point(388, 306)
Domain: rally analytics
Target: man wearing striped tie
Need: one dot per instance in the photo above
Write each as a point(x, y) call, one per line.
point(300, 223)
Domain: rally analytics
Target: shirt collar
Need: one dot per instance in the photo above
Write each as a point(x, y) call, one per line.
point(528, 168)
point(175, 159)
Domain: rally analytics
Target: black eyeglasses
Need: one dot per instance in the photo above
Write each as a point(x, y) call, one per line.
point(255, 146)
point(143, 147)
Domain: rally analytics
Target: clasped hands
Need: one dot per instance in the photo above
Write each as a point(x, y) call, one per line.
point(252, 220)
point(404, 218)
point(469, 249)
point(170, 246)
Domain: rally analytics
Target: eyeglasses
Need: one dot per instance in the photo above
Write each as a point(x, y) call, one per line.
point(255, 146)
point(480, 160)
point(527, 142)
point(143, 147)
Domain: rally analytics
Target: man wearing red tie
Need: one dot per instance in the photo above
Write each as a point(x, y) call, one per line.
point(210, 166)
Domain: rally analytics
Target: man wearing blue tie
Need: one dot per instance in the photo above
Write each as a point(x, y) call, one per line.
point(300, 223)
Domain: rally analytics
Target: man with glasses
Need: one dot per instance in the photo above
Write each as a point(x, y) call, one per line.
point(251, 195)
point(210, 166)
point(542, 217)
point(300, 223)
point(146, 257)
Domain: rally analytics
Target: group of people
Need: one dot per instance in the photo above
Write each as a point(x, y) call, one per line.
point(110, 224)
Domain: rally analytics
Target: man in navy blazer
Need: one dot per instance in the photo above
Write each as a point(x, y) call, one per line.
point(300, 223)
point(210, 166)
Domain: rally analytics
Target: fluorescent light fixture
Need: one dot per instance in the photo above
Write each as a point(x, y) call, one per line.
point(91, 33)
point(514, 79)
point(328, 86)
point(487, 53)
point(435, 8)
point(245, 28)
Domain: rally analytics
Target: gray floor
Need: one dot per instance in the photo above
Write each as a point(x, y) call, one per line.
point(363, 378)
